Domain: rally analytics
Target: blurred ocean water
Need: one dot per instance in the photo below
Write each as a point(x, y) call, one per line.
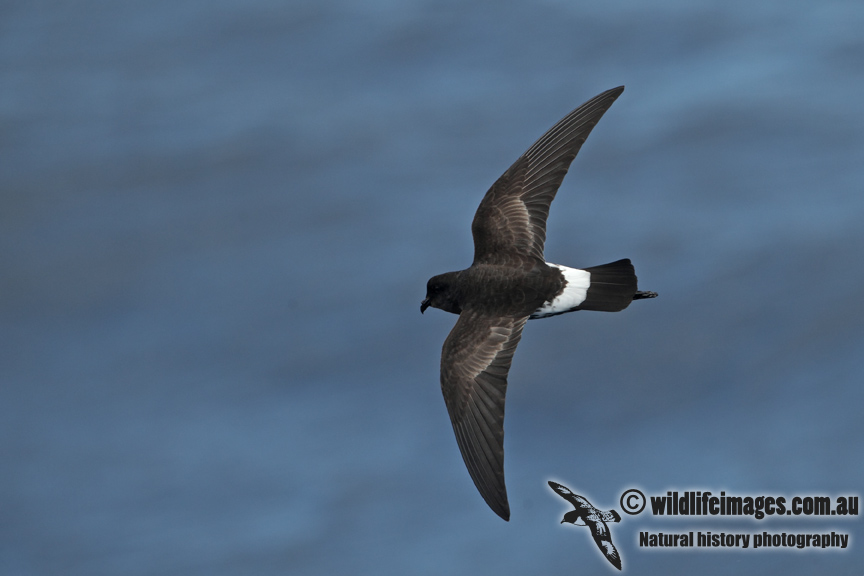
point(216, 224)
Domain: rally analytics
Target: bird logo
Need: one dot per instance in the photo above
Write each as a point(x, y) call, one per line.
point(585, 514)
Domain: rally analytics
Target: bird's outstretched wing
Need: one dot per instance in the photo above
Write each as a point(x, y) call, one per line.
point(601, 535)
point(474, 365)
point(580, 502)
point(510, 224)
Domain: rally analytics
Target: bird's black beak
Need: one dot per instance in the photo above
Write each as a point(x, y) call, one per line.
point(562, 521)
point(423, 305)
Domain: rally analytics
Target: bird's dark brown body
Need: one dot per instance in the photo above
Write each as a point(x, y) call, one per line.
point(510, 282)
point(496, 289)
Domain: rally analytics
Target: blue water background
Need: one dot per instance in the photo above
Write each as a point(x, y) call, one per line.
point(216, 224)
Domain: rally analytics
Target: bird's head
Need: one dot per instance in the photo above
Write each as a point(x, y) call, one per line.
point(573, 517)
point(441, 294)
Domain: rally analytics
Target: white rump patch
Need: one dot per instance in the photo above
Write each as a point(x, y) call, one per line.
point(575, 291)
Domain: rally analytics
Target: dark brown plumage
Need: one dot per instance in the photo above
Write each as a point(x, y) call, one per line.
point(508, 282)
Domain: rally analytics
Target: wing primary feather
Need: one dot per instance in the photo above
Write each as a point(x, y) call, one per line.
point(554, 135)
point(493, 494)
point(485, 439)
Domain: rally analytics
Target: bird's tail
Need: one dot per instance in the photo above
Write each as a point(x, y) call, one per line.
point(612, 288)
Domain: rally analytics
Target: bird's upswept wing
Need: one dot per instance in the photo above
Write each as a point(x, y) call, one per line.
point(510, 224)
point(475, 361)
point(579, 502)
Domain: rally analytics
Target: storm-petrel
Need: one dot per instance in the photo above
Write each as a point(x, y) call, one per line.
point(510, 282)
point(586, 514)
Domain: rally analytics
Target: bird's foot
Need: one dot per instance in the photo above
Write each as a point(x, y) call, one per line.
point(640, 295)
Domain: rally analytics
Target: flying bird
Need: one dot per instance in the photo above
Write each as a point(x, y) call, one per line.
point(510, 282)
point(585, 514)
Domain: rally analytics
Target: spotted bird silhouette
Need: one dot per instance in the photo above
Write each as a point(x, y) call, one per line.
point(585, 514)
